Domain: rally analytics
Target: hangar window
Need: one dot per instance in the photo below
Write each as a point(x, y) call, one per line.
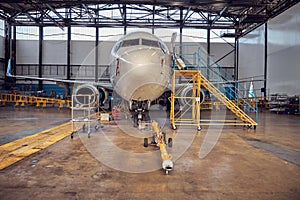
point(127, 43)
point(150, 43)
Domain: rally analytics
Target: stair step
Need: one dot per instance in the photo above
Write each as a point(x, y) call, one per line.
point(229, 104)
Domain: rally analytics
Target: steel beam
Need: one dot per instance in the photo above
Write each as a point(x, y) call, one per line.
point(266, 61)
point(96, 54)
point(69, 54)
point(236, 58)
point(124, 19)
point(7, 46)
point(153, 19)
point(208, 48)
point(54, 11)
point(40, 71)
point(14, 49)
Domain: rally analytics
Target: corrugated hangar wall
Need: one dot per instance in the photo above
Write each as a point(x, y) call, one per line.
point(83, 52)
point(283, 50)
point(55, 52)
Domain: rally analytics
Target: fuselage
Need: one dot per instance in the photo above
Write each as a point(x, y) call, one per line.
point(140, 67)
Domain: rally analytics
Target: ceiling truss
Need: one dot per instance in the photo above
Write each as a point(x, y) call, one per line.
point(241, 16)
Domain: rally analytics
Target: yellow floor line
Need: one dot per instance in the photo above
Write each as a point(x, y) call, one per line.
point(15, 151)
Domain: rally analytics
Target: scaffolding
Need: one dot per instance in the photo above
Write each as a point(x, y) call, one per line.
point(183, 116)
point(82, 109)
point(189, 113)
point(219, 82)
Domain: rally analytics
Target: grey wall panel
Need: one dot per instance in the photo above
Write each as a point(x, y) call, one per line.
point(218, 50)
point(104, 52)
point(83, 55)
point(2, 47)
point(251, 57)
point(284, 71)
point(284, 52)
point(27, 51)
point(83, 52)
point(55, 52)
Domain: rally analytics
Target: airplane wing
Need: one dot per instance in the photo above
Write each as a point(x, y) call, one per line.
point(101, 84)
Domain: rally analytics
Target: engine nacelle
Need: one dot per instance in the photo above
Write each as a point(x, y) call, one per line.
point(81, 95)
point(188, 92)
point(103, 95)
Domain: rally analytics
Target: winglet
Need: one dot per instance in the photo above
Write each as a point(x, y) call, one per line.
point(8, 72)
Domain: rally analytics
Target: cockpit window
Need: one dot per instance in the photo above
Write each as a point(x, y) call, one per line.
point(117, 46)
point(150, 43)
point(163, 47)
point(127, 43)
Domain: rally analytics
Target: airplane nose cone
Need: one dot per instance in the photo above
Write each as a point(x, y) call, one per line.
point(142, 74)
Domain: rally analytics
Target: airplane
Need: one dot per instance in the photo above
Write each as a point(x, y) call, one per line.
point(140, 72)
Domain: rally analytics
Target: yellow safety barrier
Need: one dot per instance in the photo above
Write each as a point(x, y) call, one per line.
point(21, 100)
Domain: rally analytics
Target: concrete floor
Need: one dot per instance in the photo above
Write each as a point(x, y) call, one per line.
point(244, 164)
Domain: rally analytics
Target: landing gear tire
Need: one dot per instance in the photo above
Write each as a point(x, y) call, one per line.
point(72, 135)
point(135, 121)
point(165, 137)
point(170, 142)
point(146, 142)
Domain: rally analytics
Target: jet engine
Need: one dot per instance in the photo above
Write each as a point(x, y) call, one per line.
point(188, 92)
point(82, 92)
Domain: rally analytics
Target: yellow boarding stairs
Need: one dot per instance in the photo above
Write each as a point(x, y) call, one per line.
point(231, 105)
point(227, 102)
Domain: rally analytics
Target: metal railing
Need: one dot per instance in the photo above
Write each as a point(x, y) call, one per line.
point(60, 71)
point(195, 57)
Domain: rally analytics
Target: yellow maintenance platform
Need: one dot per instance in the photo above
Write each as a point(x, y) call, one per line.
point(196, 79)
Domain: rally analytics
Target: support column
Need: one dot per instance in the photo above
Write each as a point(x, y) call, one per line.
point(124, 19)
point(69, 54)
point(208, 52)
point(96, 54)
point(14, 49)
point(40, 71)
point(153, 19)
point(180, 31)
point(7, 43)
point(266, 61)
point(236, 58)
point(236, 66)
point(8, 80)
point(180, 38)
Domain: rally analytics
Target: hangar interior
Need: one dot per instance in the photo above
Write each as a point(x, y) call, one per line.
point(252, 43)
